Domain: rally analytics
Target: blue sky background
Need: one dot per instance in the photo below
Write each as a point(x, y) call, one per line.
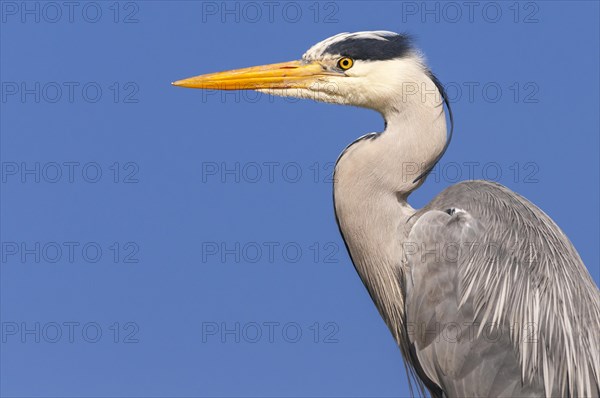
point(178, 234)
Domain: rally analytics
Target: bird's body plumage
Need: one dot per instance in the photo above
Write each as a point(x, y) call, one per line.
point(499, 302)
point(483, 293)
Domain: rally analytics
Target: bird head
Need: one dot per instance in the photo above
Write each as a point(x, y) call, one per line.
point(379, 70)
point(367, 69)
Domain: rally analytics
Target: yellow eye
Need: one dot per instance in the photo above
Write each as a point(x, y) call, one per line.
point(345, 63)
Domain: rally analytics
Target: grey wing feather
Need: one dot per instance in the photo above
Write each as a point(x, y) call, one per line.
point(498, 301)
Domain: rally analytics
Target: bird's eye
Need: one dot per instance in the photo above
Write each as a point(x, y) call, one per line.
point(345, 63)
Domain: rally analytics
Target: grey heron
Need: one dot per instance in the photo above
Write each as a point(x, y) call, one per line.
point(479, 259)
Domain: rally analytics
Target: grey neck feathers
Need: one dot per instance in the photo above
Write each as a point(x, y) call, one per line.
point(373, 178)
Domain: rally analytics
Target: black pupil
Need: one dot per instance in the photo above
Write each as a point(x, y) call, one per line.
point(345, 62)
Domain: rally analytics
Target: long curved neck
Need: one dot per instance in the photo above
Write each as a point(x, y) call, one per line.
point(372, 181)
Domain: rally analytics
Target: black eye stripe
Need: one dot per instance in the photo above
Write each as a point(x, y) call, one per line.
point(368, 49)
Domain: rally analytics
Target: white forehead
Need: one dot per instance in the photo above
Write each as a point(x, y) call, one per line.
point(318, 49)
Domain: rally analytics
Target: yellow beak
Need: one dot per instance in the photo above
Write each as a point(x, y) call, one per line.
point(293, 74)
